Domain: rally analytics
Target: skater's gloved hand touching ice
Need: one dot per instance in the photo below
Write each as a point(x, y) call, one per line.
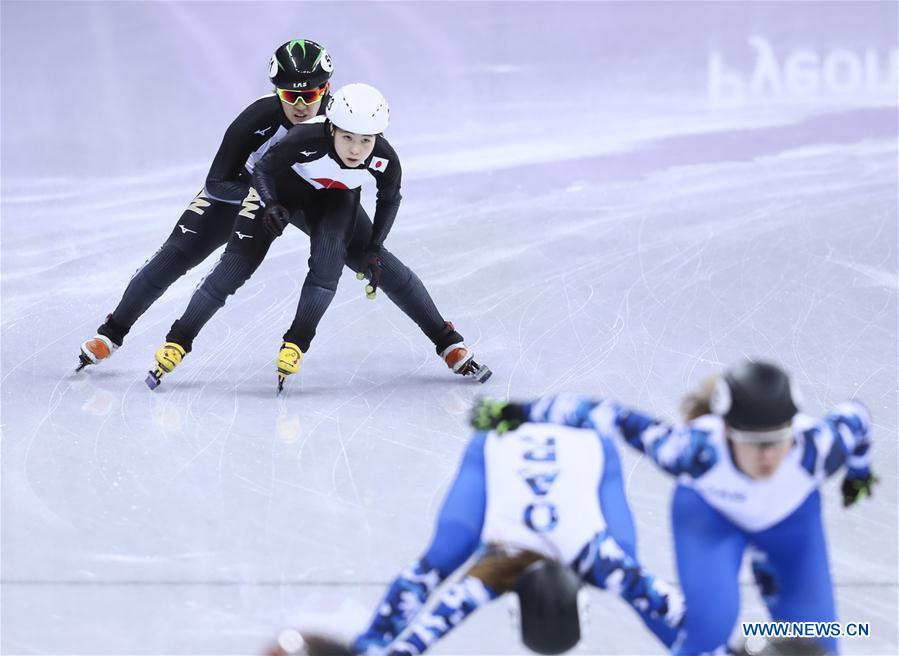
point(371, 269)
point(275, 218)
point(501, 416)
point(857, 485)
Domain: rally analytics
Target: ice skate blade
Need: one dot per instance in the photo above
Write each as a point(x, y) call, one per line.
point(281, 380)
point(482, 375)
point(477, 371)
point(83, 362)
point(152, 381)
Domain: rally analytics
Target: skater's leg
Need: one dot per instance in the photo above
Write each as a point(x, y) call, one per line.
point(796, 550)
point(330, 223)
point(456, 538)
point(454, 604)
point(244, 253)
point(709, 550)
point(204, 226)
point(247, 247)
point(620, 524)
point(398, 281)
point(406, 290)
point(409, 294)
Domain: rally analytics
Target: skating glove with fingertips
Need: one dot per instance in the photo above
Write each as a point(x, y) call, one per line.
point(857, 485)
point(501, 416)
point(371, 268)
point(274, 219)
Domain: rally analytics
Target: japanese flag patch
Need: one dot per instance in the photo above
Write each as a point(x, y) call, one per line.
point(378, 164)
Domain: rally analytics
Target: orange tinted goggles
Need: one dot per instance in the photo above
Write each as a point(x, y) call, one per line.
point(307, 96)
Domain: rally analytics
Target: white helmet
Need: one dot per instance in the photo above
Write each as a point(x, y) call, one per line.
point(358, 108)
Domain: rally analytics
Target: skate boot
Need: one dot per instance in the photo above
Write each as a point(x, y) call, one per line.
point(95, 350)
point(460, 359)
point(168, 357)
point(288, 362)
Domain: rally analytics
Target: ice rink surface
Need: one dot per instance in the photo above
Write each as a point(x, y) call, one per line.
point(614, 199)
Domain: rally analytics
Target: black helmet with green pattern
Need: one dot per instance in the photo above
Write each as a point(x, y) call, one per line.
point(300, 64)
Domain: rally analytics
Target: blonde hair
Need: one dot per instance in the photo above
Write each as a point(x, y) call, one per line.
point(698, 402)
point(500, 567)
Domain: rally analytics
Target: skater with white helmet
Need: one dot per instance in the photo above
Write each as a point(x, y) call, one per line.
point(312, 179)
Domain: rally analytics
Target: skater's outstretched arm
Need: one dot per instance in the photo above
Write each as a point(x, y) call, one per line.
point(677, 449)
point(841, 439)
point(845, 438)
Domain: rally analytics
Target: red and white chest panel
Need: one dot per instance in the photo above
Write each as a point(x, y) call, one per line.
point(325, 173)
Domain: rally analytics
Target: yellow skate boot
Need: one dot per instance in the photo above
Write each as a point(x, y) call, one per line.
point(288, 362)
point(168, 357)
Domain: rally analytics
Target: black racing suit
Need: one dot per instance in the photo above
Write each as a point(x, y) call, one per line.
point(304, 173)
point(207, 222)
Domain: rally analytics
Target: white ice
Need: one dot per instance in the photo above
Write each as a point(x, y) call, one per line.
point(574, 202)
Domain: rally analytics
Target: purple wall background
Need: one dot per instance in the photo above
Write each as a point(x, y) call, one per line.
point(91, 88)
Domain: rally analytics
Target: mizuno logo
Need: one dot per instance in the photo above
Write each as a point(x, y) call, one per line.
point(242, 236)
point(307, 153)
point(263, 131)
point(184, 230)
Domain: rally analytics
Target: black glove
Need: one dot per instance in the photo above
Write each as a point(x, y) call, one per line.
point(501, 416)
point(274, 219)
point(765, 577)
point(371, 268)
point(857, 486)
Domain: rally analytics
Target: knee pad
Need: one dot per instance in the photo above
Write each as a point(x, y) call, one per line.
point(164, 268)
point(326, 261)
point(395, 276)
point(324, 279)
point(188, 257)
point(231, 272)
